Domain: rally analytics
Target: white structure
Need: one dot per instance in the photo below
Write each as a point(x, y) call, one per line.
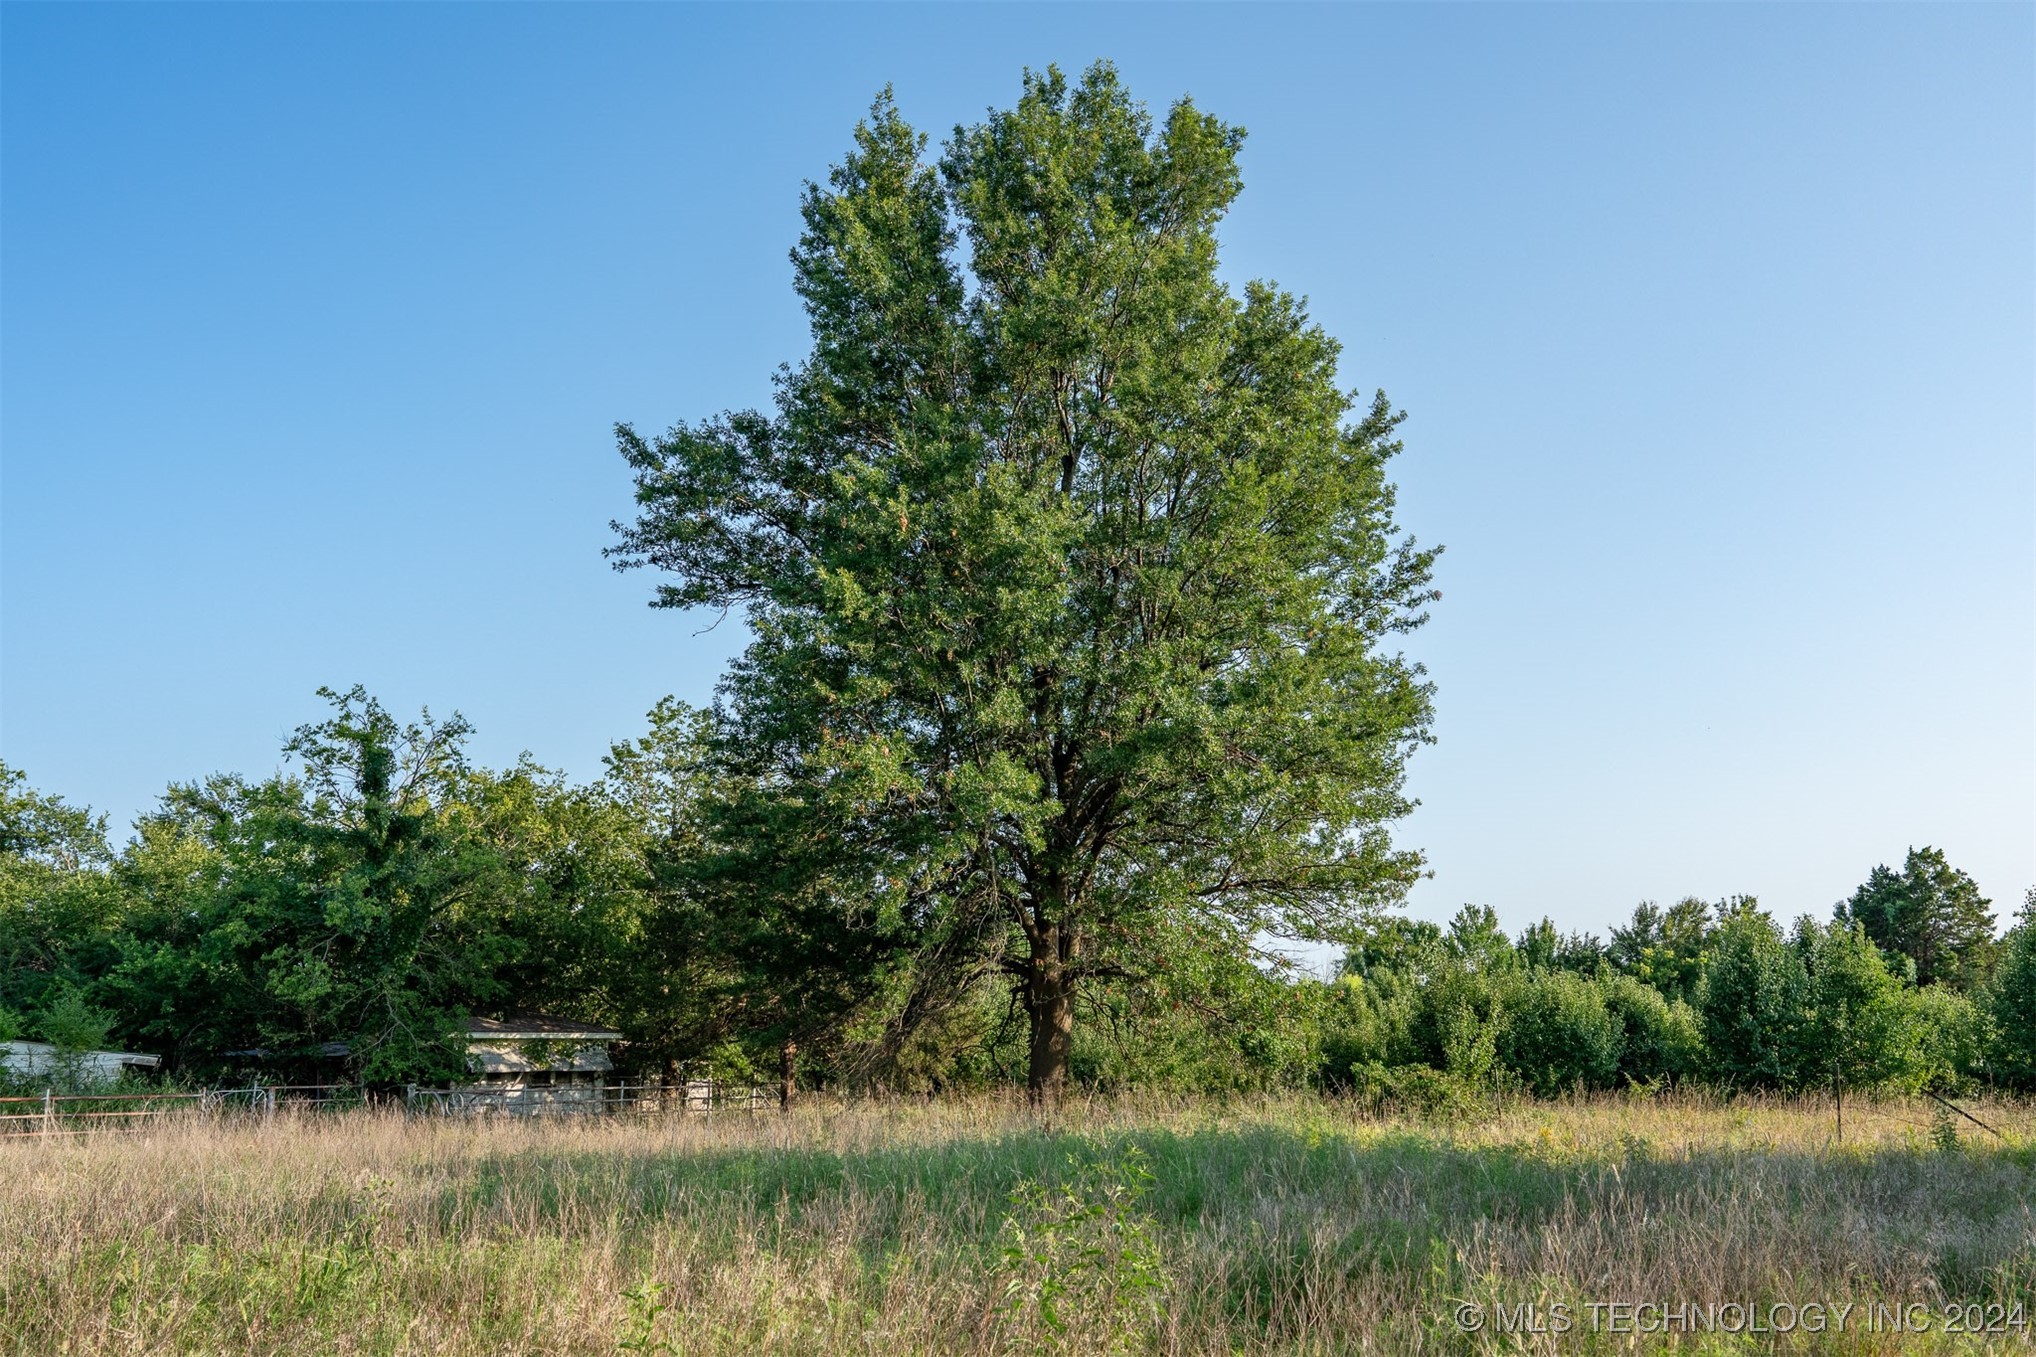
point(535, 1064)
point(33, 1059)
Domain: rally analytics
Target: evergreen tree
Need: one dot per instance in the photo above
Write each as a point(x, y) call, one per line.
point(1931, 913)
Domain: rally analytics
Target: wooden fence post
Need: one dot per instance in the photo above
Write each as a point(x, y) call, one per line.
point(49, 1116)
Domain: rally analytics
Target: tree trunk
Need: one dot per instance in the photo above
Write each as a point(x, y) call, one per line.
point(788, 1074)
point(1050, 1007)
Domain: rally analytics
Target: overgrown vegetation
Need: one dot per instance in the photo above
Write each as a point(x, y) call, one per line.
point(1238, 1227)
point(392, 889)
point(1073, 581)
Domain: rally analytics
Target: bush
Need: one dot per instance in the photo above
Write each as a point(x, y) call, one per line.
point(1753, 1001)
point(1862, 1021)
point(1950, 1038)
point(2011, 1002)
point(1417, 1089)
point(1364, 1023)
point(1456, 1018)
point(1663, 1039)
point(1559, 1035)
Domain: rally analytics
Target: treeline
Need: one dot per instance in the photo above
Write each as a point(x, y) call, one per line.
point(344, 919)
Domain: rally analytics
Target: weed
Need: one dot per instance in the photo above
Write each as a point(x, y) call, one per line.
point(1081, 1265)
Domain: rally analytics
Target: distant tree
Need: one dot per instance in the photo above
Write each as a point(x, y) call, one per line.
point(1754, 1001)
point(1559, 1035)
point(1072, 574)
point(1663, 1039)
point(1949, 1033)
point(1859, 1028)
point(59, 906)
point(1664, 949)
point(338, 906)
point(1475, 939)
point(1542, 947)
point(2010, 1001)
point(1931, 913)
point(557, 878)
point(1394, 944)
point(678, 984)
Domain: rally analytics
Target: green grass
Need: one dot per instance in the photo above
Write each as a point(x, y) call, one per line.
point(1281, 1227)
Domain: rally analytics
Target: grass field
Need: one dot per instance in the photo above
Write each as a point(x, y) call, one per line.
point(1279, 1227)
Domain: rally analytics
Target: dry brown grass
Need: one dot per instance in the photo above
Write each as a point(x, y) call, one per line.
point(1291, 1226)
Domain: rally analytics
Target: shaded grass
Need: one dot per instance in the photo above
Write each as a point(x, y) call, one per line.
point(1287, 1226)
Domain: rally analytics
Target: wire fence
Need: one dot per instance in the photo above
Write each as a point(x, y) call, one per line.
point(52, 1113)
point(700, 1097)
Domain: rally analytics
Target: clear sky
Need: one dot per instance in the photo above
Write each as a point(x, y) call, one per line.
point(1716, 326)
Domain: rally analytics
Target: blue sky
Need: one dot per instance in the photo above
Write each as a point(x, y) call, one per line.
point(1716, 326)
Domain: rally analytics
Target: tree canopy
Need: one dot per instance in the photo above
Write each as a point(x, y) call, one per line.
point(1930, 913)
point(1072, 573)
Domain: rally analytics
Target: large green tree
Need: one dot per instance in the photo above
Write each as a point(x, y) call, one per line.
point(1931, 913)
point(58, 903)
point(345, 905)
point(1072, 573)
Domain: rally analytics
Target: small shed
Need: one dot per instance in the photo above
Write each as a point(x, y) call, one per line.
point(535, 1064)
point(31, 1059)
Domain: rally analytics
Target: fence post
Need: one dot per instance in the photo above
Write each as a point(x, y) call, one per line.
point(269, 1113)
point(49, 1116)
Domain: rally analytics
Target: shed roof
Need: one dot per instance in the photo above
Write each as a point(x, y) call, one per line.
point(33, 1057)
point(538, 1027)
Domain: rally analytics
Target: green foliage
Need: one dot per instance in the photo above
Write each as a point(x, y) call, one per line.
point(1560, 1035)
point(1477, 943)
point(1944, 1130)
point(643, 1331)
point(1418, 1090)
point(330, 907)
point(1081, 1267)
point(1859, 1026)
point(1542, 948)
point(2010, 1002)
point(1662, 1039)
point(1932, 914)
point(72, 1025)
point(1949, 1039)
point(1391, 945)
point(1071, 576)
point(1753, 1001)
point(1366, 1023)
point(1665, 949)
point(390, 888)
point(59, 905)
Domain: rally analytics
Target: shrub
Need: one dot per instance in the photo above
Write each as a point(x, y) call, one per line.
point(1081, 1266)
point(1950, 1038)
point(1861, 1021)
point(1419, 1090)
point(1754, 1001)
point(2011, 1002)
point(1663, 1039)
point(1559, 1035)
point(1364, 1023)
